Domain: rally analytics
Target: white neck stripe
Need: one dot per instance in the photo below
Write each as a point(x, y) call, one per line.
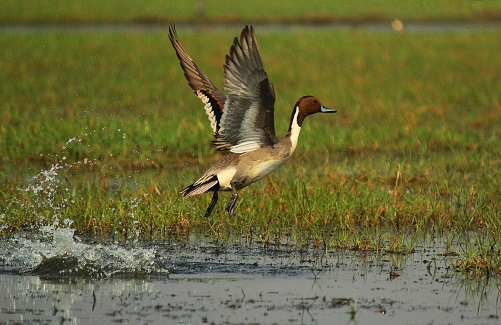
point(295, 129)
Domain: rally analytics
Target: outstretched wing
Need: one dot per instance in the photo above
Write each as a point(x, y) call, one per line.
point(248, 120)
point(205, 90)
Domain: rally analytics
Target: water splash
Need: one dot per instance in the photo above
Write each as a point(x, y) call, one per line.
point(55, 250)
point(66, 254)
point(43, 188)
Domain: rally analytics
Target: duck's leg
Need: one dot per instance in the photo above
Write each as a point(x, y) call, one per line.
point(211, 205)
point(233, 201)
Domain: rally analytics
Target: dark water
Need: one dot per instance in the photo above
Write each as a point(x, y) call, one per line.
point(68, 281)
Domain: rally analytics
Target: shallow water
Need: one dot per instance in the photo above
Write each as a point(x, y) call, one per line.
point(69, 281)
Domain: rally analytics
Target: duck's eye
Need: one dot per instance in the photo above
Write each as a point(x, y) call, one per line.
point(314, 101)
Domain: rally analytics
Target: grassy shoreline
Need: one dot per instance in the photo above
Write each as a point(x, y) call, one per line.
point(414, 150)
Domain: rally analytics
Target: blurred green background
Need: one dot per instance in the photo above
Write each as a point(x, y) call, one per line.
point(248, 12)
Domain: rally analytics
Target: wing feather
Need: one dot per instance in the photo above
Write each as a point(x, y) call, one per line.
point(205, 90)
point(243, 121)
point(248, 121)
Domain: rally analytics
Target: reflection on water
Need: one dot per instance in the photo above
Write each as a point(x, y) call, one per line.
point(36, 300)
point(211, 285)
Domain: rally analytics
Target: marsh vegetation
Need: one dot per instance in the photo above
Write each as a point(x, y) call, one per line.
point(101, 129)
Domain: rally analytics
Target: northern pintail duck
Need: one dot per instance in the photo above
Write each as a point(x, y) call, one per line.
point(242, 122)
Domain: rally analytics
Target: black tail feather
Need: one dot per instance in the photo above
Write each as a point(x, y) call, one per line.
point(211, 184)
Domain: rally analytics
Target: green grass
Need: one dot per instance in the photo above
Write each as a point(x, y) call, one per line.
point(413, 152)
point(196, 11)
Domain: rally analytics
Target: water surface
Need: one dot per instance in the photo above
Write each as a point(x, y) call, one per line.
point(69, 281)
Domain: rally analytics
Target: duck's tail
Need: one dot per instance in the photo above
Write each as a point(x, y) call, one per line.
point(210, 184)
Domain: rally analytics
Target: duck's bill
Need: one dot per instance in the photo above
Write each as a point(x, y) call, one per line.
point(324, 109)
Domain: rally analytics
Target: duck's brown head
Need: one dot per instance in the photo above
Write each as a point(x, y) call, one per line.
point(308, 105)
